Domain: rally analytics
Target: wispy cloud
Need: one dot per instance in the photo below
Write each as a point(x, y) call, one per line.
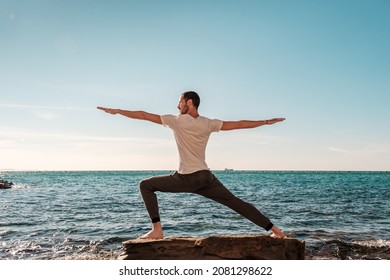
point(46, 115)
point(45, 112)
point(12, 134)
point(27, 106)
point(363, 149)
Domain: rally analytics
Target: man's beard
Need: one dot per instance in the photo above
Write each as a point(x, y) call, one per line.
point(184, 110)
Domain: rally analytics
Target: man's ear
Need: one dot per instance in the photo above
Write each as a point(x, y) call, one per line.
point(190, 103)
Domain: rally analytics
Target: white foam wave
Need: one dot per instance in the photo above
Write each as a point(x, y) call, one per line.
point(21, 186)
point(380, 243)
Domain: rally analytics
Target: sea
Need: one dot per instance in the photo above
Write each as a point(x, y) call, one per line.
point(86, 215)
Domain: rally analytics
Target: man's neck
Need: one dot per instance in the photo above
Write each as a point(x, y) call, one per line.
point(193, 114)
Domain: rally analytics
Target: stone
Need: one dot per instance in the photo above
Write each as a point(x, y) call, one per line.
point(257, 247)
point(5, 184)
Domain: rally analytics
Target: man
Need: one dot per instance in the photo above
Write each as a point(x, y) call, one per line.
point(191, 133)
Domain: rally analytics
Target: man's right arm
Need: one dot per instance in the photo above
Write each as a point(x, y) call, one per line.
point(139, 115)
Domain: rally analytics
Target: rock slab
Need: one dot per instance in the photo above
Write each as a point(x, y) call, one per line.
point(258, 247)
point(5, 184)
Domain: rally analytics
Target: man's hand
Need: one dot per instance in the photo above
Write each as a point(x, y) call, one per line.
point(275, 120)
point(109, 110)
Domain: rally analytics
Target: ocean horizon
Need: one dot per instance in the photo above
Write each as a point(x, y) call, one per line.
point(88, 214)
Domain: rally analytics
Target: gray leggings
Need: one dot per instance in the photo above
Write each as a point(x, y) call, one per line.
point(203, 183)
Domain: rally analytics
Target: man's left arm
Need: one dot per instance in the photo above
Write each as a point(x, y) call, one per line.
point(230, 125)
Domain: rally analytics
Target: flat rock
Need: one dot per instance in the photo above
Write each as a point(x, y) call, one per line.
point(257, 247)
point(5, 184)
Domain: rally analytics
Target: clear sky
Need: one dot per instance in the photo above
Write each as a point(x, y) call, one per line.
point(323, 65)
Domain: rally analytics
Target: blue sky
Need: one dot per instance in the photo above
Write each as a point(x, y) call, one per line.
point(323, 65)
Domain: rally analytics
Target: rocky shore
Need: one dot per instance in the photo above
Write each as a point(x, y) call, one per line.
point(258, 247)
point(5, 184)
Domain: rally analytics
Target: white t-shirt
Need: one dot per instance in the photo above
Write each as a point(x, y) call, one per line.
point(191, 137)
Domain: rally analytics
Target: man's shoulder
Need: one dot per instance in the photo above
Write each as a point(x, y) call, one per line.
point(167, 119)
point(168, 115)
point(208, 119)
point(213, 125)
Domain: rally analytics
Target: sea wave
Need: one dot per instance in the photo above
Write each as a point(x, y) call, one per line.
point(65, 249)
point(79, 215)
point(337, 249)
point(20, 186)
point(111, 249)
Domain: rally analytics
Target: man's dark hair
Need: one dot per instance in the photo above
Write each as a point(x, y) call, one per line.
point(192, 95)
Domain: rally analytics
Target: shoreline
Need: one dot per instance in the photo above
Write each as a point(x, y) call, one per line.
point(212, 170)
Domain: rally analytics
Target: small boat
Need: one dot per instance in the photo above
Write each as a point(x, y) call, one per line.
point(5, 184)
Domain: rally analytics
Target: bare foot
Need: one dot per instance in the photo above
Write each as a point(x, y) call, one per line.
point(277, 233)
point(155, 233)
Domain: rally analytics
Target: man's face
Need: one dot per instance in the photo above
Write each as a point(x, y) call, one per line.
point(183, 106)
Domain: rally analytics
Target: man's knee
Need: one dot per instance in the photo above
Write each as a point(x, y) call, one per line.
point(144, 185)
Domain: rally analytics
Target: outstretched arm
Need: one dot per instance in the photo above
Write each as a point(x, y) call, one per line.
point(139, 115)
point(248, 124)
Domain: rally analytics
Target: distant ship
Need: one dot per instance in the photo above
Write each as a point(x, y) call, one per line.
point(228, 169)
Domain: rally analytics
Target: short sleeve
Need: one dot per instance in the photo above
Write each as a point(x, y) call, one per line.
point(215, 125)
point(168, 120)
